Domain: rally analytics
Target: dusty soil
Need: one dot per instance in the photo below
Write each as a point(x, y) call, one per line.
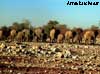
point(51, 58)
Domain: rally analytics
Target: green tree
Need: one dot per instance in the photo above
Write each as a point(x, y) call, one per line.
point(94, 27)
point(53, 23)
point(49, 26)
point(15, 26)
point(26, 23)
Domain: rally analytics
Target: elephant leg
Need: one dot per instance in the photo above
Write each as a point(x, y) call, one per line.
point(36, 39)
point(21, 40)
point(55, 40)
point(72, 40)
point(79, 41)
point(69, 40)
point(9, 37)
point(12, 38)
point(41, 39)
point(94, 41)
point(65, 40)
point(51, 40)
point(89, 41)
point(27, 39)
point(86, 41)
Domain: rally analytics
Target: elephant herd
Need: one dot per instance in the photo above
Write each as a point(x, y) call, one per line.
point(87, 36)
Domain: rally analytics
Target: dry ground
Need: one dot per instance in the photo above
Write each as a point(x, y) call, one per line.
point(51, 58)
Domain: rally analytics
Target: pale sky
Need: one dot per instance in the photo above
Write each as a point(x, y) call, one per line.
point(39, 12)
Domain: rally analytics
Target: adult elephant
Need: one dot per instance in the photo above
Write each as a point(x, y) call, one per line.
point(78, 38)
point(98, 37)
point(38, 34)
point(20, 36)
point(12, 34)
point(26, 33)
point(1, 34)
point(78, 35)
point(69, 36)
point(89, 37)
point(54, 34)
point(60, 38)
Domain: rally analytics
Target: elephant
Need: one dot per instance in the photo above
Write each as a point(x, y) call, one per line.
point(5, 32)
point(60, 38)
point(69, 36)
point(89, 37)
point(77, 38)
point(38, 34)
point(54, 34)
point(32, 35)
point(78, 33)
point(20, 36)
point(12, 34)
point(1, 34)
point(98, 37)
point(44, 37)
point(26, 33)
